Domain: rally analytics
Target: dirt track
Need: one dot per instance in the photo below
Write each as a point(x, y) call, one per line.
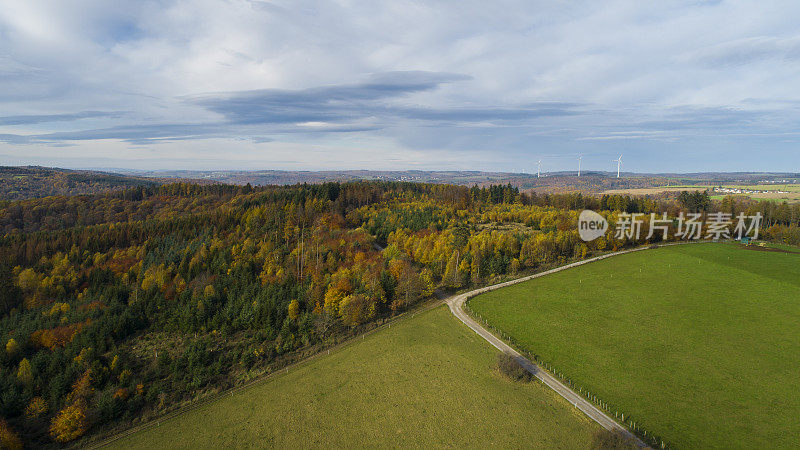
point(456, 304)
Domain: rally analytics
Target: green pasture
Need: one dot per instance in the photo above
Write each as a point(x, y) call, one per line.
point(427, 381)
point(698, 343)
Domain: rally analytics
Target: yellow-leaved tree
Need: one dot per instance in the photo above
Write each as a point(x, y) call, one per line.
point(70, 423)
point(294, 309)
point(356, 309)
point(12, 348)
point(36, 408)
point(25, 373)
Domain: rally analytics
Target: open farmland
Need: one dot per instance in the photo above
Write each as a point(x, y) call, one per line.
point(771, 192)
point(656, 190)
point(697, 343)
point(427, 381)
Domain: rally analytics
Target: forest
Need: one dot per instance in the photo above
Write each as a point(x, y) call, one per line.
point(17, 183)
point(120, 306)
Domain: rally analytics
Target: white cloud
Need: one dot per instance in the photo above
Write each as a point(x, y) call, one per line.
point(688, 71)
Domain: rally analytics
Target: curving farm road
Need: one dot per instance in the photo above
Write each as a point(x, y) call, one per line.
point(456, 304)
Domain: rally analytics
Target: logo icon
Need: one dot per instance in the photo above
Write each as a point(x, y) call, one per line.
point(591, 225)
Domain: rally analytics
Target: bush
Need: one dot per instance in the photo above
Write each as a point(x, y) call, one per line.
point(613, 440)
point(510, 367)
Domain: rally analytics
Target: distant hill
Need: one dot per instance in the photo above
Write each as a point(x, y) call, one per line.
point(567, 181)
point(18, 183)
point(590, 181)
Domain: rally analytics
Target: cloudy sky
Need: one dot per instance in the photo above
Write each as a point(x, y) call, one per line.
point(237, 84)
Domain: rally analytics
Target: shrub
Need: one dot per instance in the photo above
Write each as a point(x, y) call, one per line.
point(613, 440)
point(510, 367)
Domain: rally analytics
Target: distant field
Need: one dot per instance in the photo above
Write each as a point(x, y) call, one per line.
point(772, 196)
point(776, 198)
point(792, 189)
point(698, 343)
point(769, 187)
point(792, 196)
point(428, 381)
point(655, 190)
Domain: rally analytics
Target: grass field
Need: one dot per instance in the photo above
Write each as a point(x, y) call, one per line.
point(775, 198)
point(768, 187)
point(426, 381)
point(656, 190)
point(792, 196)
point(698, 343)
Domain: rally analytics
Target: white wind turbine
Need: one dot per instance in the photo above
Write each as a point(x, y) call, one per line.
point(579, 164)
point(619, 163)
point(539, 170)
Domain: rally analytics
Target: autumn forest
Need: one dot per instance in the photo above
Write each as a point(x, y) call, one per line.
point(116, 307)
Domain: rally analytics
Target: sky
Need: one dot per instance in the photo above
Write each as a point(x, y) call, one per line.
point(673, 86)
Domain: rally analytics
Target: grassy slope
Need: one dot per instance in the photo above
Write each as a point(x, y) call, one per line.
point(700, 346)
point(426, 381)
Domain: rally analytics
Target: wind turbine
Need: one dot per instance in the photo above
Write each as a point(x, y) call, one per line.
point(619, 163)
point(579, 164)
point(539, 170)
